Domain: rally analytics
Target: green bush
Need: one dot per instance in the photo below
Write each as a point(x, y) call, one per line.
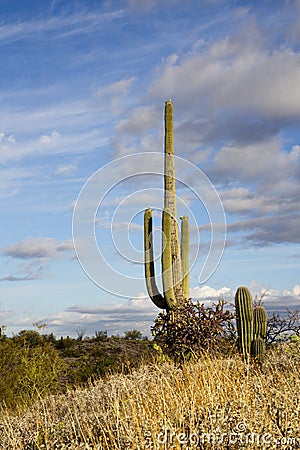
point(27, 373)
point(133, 335)
point(100, 335)
point(30, 338)
point(65, 343)
point(34, 365)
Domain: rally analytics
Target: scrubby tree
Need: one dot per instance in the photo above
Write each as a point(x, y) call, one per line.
point(194, 327)
point(133, 335)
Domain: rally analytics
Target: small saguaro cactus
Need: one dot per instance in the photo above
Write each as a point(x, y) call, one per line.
point(244, 321)
point(260, 322)
point(260, 318)
point(175, 266)
point(258, 348)
point(251, 325)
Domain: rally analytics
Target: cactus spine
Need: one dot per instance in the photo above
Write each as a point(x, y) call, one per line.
point(175, 266)
point(251, 325)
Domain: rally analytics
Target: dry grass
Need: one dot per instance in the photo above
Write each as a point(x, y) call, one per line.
point(216, 403)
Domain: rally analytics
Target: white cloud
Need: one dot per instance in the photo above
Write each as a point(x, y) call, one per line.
point(242, 201)
point(31, 257)
point(37, 248)
point(210, 293)
point(117, 88)
point(5, 139)
point(67, 169)
point(6, 146)
point(277, 301)
point(114, 93)
point(141, 120)
point(139, 312)
point(141, 301)
point(60, 26)
point(267, 230)
point(75, 142)
point(30, 275)
point(294, 292)
point(49, 138)
point(234, 74)
point(274, 171)
point(250, 162)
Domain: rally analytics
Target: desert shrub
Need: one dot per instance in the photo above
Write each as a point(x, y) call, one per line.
point(49, 337)
point(282, 328)
point(133, 335)
point(29, 338)
point(27, 372)
point(101, 335)
point(65, 343)
point(190, 328)
point(89, 359)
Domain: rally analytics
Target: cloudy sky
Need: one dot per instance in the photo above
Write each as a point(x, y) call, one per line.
point(82, 88)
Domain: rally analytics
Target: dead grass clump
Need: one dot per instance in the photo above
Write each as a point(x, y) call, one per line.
point(216, 403)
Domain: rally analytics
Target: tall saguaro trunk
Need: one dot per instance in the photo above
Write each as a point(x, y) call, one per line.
point(170, 199)
point(175, 276)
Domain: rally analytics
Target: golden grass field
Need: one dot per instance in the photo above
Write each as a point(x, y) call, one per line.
point(216, 403)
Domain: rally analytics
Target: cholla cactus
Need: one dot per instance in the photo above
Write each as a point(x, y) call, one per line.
point(175, 267)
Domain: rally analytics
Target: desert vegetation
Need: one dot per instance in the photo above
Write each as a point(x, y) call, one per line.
point(190, 388)
point(212, 377)
point(33, 365)
point(215, 402)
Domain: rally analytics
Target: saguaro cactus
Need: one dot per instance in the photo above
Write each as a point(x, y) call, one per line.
point(251, 325)
point(185, 240)
point(244, 321)
point(260, 322)
point(258, 348)
point(175, 267)
point(260, 318)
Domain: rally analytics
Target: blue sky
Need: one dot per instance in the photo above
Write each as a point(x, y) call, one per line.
point(83, 85)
